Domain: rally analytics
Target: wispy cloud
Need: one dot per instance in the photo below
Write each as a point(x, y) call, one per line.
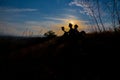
point(17, 10)
point(58, 19)
point(66, 19)
point(75, 2)
point(42, 27)
point(79, 3)
point(69, 19)
point(84, 5)
point(8, 28)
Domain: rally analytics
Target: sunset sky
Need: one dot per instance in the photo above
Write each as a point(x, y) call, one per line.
point(35, 17)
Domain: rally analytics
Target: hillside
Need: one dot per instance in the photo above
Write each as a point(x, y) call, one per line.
point(60, 58)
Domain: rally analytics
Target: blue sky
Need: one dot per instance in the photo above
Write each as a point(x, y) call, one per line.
point(35, 17)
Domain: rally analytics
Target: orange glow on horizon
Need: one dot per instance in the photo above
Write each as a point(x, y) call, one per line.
point(66, 22)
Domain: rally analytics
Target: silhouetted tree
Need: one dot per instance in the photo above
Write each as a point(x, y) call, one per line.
point(101, 12)
point(113, 6)
point(99, 15)
point(117, 3)
point(50, 34)
point(89, 6)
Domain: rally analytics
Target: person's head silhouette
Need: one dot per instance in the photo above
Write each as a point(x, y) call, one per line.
point(63, 29)
point(70, 25)
point(76, 32)
point(75, 26)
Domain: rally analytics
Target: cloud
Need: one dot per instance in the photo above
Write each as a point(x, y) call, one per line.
point(69, 19)
point(17, 10)
point(80, 3)
point(76, 3)
point(66, 19)
point(56, 19)
point(7, 28)
point(69, 10)
point(21, 29)
point(40, 27)
point(84, 5)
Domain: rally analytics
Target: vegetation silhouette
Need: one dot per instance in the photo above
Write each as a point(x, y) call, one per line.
point(50, 34)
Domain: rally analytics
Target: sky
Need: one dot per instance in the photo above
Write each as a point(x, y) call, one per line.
point(35, 17)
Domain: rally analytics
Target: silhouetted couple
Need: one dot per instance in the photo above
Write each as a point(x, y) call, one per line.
point(73, 33)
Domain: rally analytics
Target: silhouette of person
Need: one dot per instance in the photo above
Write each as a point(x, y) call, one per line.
point(76, 32)
point(65, 33)
point(71, 31)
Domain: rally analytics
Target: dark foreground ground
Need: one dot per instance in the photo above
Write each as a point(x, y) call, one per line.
point(94, 58)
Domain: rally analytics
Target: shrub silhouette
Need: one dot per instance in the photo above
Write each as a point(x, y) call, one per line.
point(50, 34)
